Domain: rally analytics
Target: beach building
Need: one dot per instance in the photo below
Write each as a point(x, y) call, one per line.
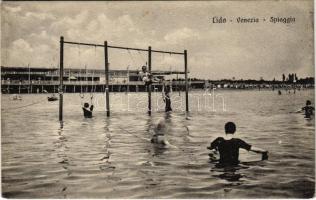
point(42, 79)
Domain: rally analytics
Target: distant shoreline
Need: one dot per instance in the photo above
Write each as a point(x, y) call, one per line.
point(209, 90)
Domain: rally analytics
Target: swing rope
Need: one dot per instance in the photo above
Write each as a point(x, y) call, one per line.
point(92, 86)
point(170, 72)
point(131, 57)
point(141, 57)
point(81, 94)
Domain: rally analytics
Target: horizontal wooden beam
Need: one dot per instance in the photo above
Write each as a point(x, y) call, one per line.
point(86, 44)
point(167, 52)
point(125, 48)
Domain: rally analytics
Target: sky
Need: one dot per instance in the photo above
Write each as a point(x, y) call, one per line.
point(31, 32)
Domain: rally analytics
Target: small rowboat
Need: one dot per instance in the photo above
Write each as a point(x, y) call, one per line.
point(16, 97)
point(52, 98)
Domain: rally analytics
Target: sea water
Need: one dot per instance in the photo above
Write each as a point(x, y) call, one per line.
point(111, 157)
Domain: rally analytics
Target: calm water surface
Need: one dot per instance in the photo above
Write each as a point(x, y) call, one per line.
point(112, 157)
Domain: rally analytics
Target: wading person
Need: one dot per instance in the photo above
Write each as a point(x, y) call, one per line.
point(87, 109)
point(166, 97)
point(308, 109)
point(228, 147)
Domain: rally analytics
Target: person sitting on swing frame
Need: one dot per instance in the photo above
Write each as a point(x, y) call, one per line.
point(87, 109)
point(146, 77)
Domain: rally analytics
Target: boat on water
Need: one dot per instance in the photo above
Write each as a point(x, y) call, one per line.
point(16, 97)
point(52, 98)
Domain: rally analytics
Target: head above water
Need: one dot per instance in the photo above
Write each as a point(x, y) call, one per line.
point(144, 68)
point(308, 102)
point(86, 105)
point(167, 89)
point(160, 127)
point(230, 128)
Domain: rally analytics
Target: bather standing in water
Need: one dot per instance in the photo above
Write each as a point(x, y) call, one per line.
point(228, 147)
point(308, 109)
point(166, 98)
point(87, 111)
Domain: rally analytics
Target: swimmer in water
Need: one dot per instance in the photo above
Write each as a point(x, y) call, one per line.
point(308, 109)
point(159, 133)
point(158, 137)
point(87, 112)
point(228, 147)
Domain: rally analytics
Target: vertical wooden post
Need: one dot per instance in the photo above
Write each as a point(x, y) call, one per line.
point(149, 86)
point(61, 77)
point(29, 78)
point(127, 88)
point(85, 79)
point(186, 81)
point(107, 97)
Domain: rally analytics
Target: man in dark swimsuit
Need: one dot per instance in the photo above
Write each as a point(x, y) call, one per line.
point(229, 148)
point(167, 98)
point(87, 112)
point(309, 110)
